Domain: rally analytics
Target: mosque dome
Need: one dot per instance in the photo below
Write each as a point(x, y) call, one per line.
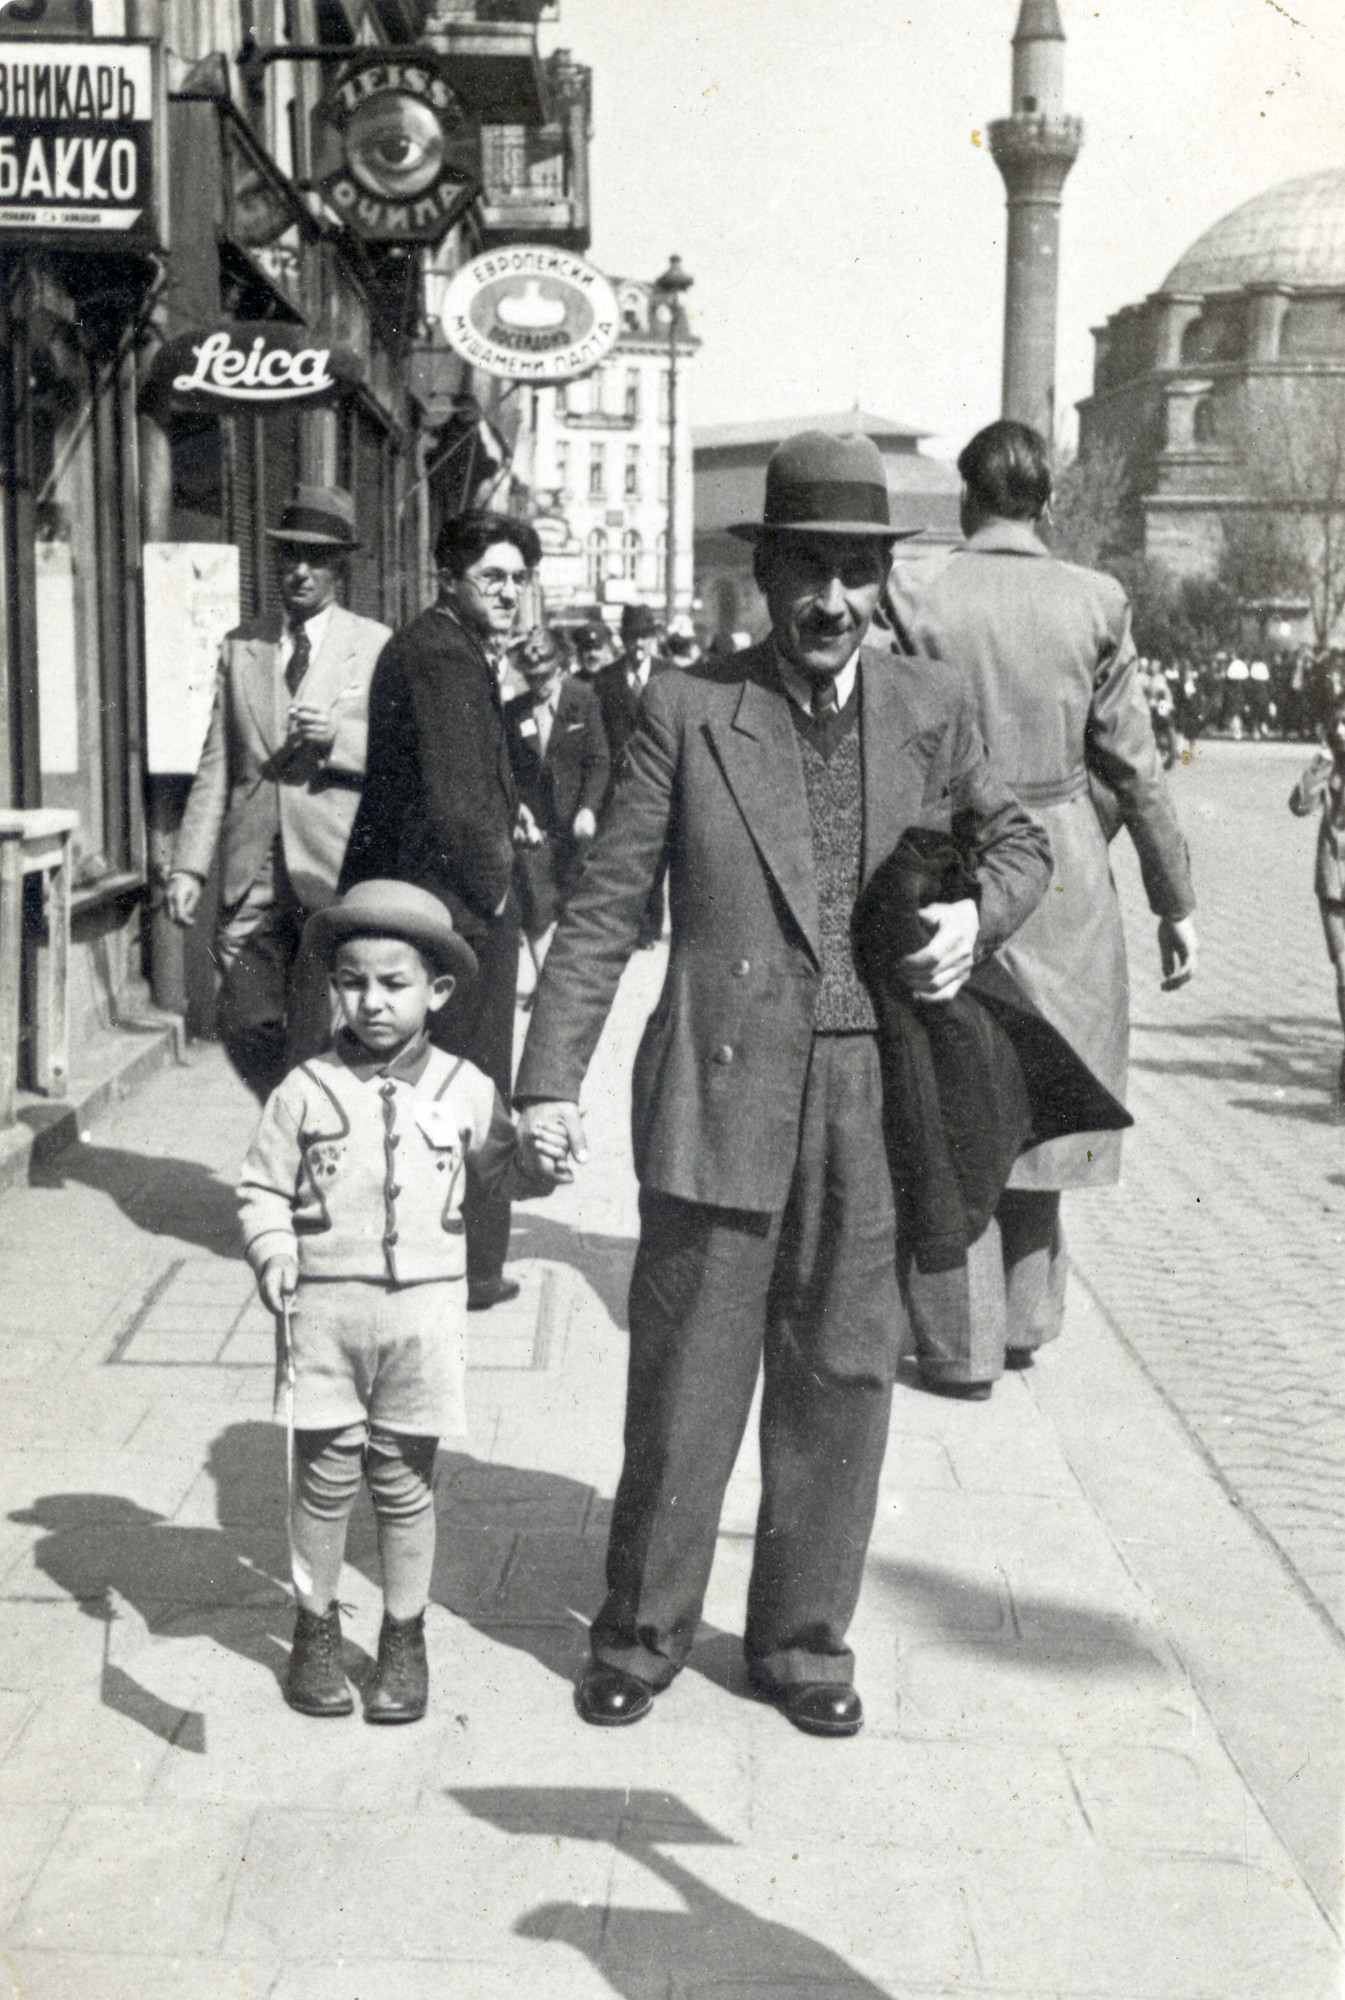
point(1293, 234)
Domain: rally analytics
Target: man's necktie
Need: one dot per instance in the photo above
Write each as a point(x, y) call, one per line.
point(297, 665)
point(826, 702)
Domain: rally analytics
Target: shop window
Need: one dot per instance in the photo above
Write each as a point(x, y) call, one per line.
point(197, 447)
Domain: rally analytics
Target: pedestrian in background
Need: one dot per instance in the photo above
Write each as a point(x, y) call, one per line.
point(1322, 787)
point(593, 650)
point(559, 754)
point(620, 689)
point(278, 785)
point(1054, 669)
point(441, 809)
point(351, 1209)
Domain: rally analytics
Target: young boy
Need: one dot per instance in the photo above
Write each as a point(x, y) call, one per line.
point(351, 1206)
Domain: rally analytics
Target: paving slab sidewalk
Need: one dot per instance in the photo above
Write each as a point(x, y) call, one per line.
point(1073, 1780)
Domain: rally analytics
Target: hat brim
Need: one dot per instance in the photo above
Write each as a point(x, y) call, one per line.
point(300, 538)
point(753, 531)
point(333, 925)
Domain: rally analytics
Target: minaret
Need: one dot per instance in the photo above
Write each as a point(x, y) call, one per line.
point(1034, 151)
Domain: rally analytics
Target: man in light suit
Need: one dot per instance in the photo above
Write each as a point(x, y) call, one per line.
point(767, 1222)
point(278, 784)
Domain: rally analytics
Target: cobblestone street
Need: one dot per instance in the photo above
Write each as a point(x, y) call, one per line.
point(1221, 1260)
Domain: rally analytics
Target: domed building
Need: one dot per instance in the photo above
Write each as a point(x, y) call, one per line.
point(1251, 318)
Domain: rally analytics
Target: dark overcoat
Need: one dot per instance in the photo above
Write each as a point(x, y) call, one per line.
point(1053, 666)
point(713, 778)
point(439, 800)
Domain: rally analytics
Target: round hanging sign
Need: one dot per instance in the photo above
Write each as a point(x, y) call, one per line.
point(531, 314)
point(409, 149)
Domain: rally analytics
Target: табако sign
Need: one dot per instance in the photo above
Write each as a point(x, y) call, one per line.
point(76, 143)
point(531, 314)
point(252, 365)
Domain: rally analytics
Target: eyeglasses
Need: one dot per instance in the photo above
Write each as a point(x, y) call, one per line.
point(493, 581)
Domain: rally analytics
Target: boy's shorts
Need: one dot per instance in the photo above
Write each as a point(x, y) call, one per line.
point(392, 1354)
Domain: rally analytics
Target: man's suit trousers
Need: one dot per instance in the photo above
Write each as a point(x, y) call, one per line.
point(810, 1294)
point(478, 1023)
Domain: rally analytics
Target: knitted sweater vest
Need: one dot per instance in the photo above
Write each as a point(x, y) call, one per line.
point(835, 788)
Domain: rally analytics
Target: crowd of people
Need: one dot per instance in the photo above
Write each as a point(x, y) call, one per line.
point(892, 1026)
point(1289, 694)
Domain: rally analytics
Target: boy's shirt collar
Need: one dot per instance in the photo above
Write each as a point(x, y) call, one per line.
point(407, 1066)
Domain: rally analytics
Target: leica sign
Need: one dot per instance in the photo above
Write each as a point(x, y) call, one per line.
point(76, 142)
point(259, 365)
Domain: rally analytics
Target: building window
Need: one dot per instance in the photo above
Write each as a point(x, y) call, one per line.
point(661, 565)
point(633, 395)
point(632, 487)
point(631, 550)
point(597, 471)
point(664, 397)
point(595, 561)
point(563, 464)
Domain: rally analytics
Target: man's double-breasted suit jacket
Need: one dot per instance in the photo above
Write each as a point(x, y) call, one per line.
point(714, 775)
point(249, 785)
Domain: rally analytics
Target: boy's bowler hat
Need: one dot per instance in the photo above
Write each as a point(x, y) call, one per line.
point(391, 910)
point(318, 517)
point(820, 484)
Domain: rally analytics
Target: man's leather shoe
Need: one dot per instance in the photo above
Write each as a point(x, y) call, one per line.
point(1019, 1357)
point(488, 1292)
point(822, 1708)
point(609, 1697)
point(961, 1392)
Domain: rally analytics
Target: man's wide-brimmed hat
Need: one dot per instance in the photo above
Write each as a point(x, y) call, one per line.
point(638, 621)
point(318, 517)
point(821, 484)
point(392, 910)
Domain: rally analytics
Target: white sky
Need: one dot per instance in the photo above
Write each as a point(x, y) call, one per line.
point(813, 163)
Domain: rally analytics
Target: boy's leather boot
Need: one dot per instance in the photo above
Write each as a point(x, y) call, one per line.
point(316, 1681)
point(402, 1690)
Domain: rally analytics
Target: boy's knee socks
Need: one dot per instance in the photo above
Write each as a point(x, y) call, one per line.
point(330, 1466)
point(400, 1470)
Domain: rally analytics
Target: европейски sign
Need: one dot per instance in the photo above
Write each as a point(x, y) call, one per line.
point(77, 143)
point(531, 314)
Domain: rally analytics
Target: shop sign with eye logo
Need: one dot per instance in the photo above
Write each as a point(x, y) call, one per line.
point(407, 148)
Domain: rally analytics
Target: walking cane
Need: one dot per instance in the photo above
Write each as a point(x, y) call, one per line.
point(302, 1580)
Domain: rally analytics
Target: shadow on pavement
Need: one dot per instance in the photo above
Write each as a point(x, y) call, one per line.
point(603, 1261)
point(1285, 1052)
point(226, 1583)
point(710, 1945)
point(1039, 1634)
point(162, 1197)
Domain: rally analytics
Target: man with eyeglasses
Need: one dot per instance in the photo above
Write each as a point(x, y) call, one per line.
point(440, 808)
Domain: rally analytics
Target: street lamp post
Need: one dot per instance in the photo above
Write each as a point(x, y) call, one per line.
point(670, 287)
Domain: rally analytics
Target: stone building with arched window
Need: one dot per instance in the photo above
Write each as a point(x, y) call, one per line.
point(1215, 400)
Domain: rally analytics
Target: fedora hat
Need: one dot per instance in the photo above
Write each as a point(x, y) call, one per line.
point(392, 910)
point(318, 517)
point(820, 484)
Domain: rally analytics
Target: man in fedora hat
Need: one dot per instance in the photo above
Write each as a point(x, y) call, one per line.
point(278, 784)
point(767, 1223)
